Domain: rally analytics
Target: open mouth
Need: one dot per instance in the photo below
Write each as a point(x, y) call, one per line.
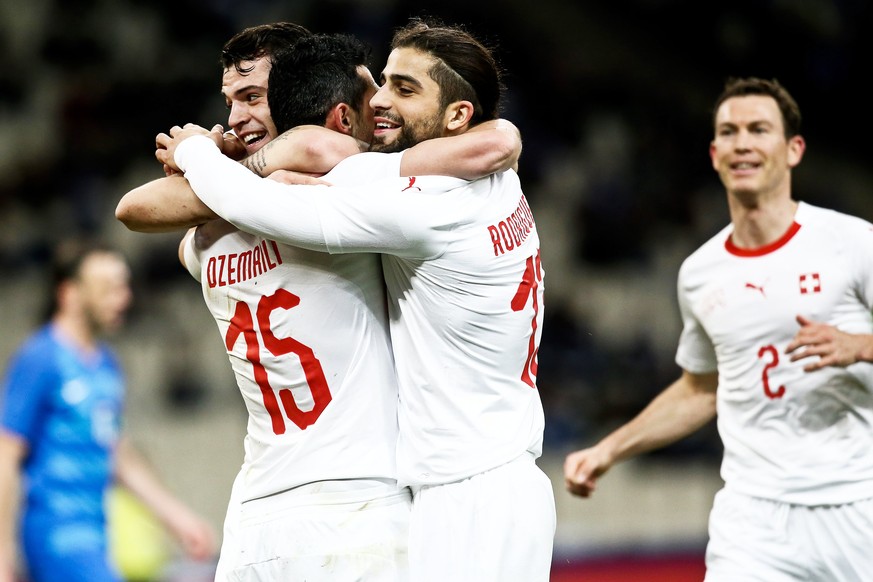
point(253, 139)
point(385, 125)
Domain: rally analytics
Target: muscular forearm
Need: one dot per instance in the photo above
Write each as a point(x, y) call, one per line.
point(489, 147)
point(162, 205)
point(681, 409)
point(310, 149)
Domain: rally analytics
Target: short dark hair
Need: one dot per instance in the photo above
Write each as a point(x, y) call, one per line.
point(465, 69)
point(312, 76)
point(741, 86)
point(258, 41)
point(66, 265)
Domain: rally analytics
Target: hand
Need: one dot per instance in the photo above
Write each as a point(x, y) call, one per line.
point(166, 144)
point(232, 146)
point(581, 470)
point(834, 347)
point(289, 177)
point(194, 534)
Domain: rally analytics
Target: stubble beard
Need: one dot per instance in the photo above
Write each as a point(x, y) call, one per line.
point(411, 134)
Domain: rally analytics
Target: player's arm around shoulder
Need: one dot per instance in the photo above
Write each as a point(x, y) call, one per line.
point(310, 149)
point(163, 205)
point(489, 147)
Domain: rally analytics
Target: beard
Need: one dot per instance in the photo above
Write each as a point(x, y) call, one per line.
point(411, 134)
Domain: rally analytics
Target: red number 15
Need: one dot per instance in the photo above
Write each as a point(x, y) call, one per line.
point(243, 324)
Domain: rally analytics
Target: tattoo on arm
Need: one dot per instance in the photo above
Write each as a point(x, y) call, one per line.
point(257, 162)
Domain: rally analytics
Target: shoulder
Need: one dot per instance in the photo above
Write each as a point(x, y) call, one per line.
point(832, 223)
point(38, 345)
point(808, 212)
point(709, 251)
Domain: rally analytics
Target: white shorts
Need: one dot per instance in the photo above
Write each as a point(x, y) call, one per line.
point(497, 526)
point(760, 540)
point(229, 550)
point(330, 531)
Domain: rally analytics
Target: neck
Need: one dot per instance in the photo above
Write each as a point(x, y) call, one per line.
point(760, 222)
point(75, 328)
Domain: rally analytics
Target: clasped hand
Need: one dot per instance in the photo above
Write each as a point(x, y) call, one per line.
point(166, 144)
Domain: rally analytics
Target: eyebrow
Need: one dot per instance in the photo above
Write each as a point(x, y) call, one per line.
point(243, 90)
point(399, 78)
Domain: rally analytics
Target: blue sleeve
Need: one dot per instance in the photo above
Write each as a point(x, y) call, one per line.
point(23, 398)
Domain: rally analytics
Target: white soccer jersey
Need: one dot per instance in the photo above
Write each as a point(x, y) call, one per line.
point(307, 338)
point(465, 288)
point(799, 437)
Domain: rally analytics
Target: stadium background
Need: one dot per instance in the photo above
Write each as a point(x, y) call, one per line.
point(613, 101)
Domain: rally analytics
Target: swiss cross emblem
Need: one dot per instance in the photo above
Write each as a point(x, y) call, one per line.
point(810, 283)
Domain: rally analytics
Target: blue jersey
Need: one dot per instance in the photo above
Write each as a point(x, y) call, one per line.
point(67, 406)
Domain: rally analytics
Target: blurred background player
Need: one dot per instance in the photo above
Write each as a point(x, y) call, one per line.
point(60, 440)
point(464, 279)
point(784, 283)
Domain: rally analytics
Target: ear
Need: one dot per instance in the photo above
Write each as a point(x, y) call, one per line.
point(339, 118)
point(712, 155)
point(458, 116)
point(796, 147)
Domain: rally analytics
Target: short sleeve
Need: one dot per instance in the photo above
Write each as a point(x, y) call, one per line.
point(695, 353)
point(25, 386)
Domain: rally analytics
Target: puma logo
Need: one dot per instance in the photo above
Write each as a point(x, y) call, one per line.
point(754, 287)
point(411, 185)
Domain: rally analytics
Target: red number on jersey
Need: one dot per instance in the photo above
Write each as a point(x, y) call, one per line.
point(774, 361)
point(528, 287)
point(243, 324)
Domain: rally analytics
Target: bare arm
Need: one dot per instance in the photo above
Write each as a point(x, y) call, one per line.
point(194, 534)
point(832, 346)
point(12, 452)
point(169, 204)
point(682, 408)
point(162, 205)
point(308, 148)
point(489, 147)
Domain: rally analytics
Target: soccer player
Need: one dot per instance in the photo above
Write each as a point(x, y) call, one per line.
point(465, 288)
point(785, 277)
point(60, 427)
point(307, 337)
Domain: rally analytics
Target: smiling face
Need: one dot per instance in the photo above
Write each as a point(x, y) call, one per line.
point(407, 106)
point(750, 152)
point(246, 98)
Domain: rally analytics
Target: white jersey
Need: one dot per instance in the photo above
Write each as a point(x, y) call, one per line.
point(465, 288)
point(307, 338)
point(799, 437)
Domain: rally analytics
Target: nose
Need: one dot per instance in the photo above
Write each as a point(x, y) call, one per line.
point(743, 140)
point(239, 114)
point(380, 99)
